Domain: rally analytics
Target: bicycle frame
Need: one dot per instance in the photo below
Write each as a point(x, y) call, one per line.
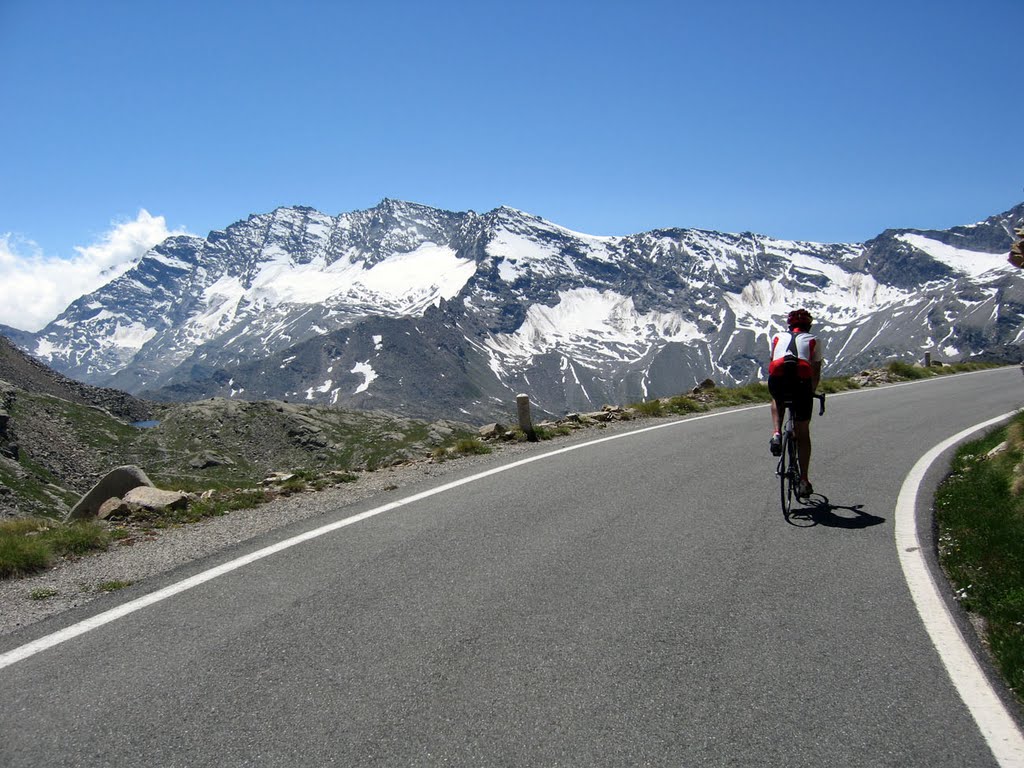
point(788, 469)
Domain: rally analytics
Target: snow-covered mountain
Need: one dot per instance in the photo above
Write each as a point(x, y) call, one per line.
point(432, 312)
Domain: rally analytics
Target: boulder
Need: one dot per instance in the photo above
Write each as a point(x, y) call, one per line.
point(115, 484)
point(440, 431)
point(155, 500)
point(491, 431)
point(114, 507)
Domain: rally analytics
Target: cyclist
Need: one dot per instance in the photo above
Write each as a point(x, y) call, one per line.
point(793, 374)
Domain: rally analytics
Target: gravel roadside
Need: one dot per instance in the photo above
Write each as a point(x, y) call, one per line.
point(72, 582)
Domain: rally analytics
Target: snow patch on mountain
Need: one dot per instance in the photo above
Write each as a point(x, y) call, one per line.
point(971, 263)
point(591, 325)
point(417, 278)
point(522, 243)
point(836, 296)
point(520, 252)
point(405, 283)
point(132, 336)
point(366, 371)
point(420, 277)
point(323, 389)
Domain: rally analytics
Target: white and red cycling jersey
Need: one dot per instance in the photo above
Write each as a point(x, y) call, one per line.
point(807, 349)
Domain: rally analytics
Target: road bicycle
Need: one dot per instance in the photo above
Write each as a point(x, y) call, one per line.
point(788, 469)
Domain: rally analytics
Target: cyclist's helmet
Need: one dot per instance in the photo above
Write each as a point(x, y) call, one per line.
point(799, 318)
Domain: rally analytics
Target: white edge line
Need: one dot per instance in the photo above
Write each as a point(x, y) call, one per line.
point(95, 622)
point(994, 721)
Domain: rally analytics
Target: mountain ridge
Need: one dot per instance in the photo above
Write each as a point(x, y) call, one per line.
point(416, 310)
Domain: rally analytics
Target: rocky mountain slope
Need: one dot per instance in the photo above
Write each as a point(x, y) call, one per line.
point(58, 437)
point(434, 314)
point(33, 376)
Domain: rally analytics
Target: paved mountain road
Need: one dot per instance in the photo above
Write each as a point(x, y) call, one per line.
point(639, 601)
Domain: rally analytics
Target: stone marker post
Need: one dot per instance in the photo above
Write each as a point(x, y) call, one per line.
point(525, 421)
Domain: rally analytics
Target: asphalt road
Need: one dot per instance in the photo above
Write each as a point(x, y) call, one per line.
point(639, 601)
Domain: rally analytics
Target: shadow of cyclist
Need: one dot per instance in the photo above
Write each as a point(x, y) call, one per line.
point(818, 510)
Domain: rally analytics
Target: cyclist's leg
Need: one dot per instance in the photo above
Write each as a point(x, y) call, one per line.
point(778, 394)
point(802, 409)
point(802, 430)
point(778, 411)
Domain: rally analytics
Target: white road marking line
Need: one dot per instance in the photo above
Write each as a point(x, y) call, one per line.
point(994, 721)
point(95, 622)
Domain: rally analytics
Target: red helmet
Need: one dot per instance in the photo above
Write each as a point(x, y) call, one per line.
point(799, 318)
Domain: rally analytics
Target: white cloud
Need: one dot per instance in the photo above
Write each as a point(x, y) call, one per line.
point(35, 288)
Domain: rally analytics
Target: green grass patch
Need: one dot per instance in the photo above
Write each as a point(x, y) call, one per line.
point(742, 395)
point(113, 585)
point(292, 485)
point(980, 523)
point(43, 593)
point(649, 408)
point(908, 371)
point(311, 479)
point(31, 545)
point(684, 404)
point(549, 433)
point(470, 446)
point(838, 384)
point(217, 504)
point(963, 367)
point(540, 433)
point(77, 539)
point(21, 556)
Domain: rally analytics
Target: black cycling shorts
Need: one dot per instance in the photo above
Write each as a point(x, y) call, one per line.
point(799, 391)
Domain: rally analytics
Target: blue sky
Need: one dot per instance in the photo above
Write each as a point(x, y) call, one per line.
point(823, 121)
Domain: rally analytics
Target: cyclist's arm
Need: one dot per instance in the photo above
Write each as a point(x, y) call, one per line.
point(816, 378)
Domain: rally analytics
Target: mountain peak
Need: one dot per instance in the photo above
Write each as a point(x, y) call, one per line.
point(392, 205)
point(507, 211)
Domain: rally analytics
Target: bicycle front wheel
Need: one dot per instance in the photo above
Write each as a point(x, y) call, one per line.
point(788, 473)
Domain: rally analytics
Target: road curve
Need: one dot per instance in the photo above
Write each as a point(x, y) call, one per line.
point(636, 601)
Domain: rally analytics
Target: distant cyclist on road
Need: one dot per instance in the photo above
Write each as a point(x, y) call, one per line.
point(793, 374)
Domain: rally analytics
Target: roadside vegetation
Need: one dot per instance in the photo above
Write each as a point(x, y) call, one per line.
point(705, 398)
point(979, 517)
point(31, 545)
point(910, 372)
point(237, 479)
